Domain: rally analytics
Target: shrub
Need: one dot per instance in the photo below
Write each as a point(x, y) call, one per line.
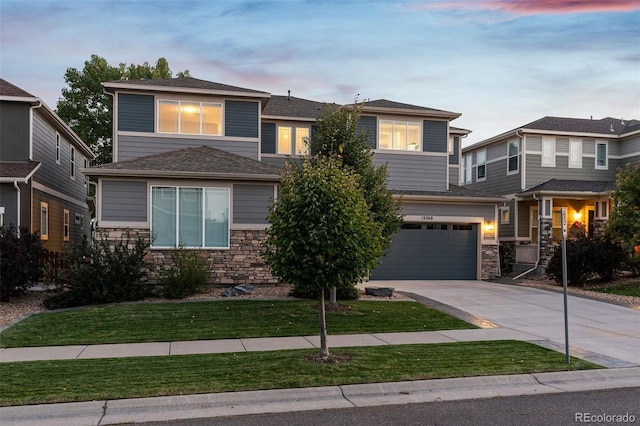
point(186, 276)
point(585, 257)
point(20, 261)
point(101, 274)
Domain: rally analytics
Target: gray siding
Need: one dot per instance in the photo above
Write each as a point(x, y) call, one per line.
point(523, 219)
point(241, 119)
point(537, 174)
point(630, 146)
point(136, 113)
point(14, 131)
point(124, 201)
point(251, 203)
point(497, 181)
point(434, 136)
point(9, 200)
point(454, 175)
point(414, 172)
point(268, 142)
point(486, 211)
point(130, 146)
point(53, 175)
point(455, 158)
point(506, 230)
point(497, 151)
point(369, 125)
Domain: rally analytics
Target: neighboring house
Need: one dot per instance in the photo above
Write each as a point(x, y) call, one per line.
point(176, 140)
point(544, 166)
point(42, 184)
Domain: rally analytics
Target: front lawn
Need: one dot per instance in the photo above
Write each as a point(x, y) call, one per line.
point(219, 319)
point(630, 289)
point(115, 378)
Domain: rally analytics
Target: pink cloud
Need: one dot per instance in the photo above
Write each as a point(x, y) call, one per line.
point(533, 7)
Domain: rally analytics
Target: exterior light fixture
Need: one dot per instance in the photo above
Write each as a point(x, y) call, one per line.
point(488, 226)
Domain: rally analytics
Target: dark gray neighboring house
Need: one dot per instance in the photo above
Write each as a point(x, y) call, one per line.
point(42, 185)
point(546, 165)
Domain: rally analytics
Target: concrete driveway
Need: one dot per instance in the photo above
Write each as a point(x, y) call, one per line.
point(604, 333)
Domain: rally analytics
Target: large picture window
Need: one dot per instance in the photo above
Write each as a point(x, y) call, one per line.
point(188, 117)
point(190, 217)
point(400, 135)
point(293, 140)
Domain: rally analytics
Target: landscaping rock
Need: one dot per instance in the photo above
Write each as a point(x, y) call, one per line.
point(379, 291)
point(239, 290)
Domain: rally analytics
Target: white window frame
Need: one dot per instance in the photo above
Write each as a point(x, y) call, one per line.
point(504, 214)
point(57, 148)
point(468, 168)
point(280, 134)
point(294, 140)
point(202, 104)
point(606, 156)
point(575, 153)
point(451, 145)
point(548, 152)
point(547, 208)
point(177, 239)
point(601, 210)
point(407, 123)
point(44, 221)
point(66, 225)
point(510, 156)
point(481, 164)
point(72, 161)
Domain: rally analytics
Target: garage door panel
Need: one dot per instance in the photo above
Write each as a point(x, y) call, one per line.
point(431, 251)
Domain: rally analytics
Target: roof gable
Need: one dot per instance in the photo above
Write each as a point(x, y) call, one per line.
point(8, 89)
point(178, 84)
point(289, 106)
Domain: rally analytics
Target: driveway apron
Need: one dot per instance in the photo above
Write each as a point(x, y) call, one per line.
point(595, 327)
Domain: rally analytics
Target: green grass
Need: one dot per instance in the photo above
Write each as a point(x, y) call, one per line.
point(218, 319)
point(631, 289)
point(95, 379)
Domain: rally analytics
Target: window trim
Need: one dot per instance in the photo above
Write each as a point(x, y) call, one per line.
point(510, 156)
point(468, 168)
point(44, 221)
point(72, 160)
point(550, 160)
point(219, 104)
point(482, 164)
point(601, 206)
point(606, 156)
point(57, 148)
point(177, 217)
point(501, 212)
point(66, 225)
point(407, 123)
point(280, 129)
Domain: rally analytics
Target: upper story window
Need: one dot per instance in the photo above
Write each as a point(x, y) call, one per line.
point(513, 157)
point(293, 140)
point(481, 164)
point(72, 169)
point(468, 162)
point(575, 153)
point(400, 135)
point(57, 148)
point(601, 155)
point(548, 152)
point(450, 145)
point(189, 117)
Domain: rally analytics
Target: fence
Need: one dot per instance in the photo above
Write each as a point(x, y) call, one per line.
point(52, 262)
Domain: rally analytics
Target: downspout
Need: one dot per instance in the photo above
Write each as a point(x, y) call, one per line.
point(15, 184)
point(538, 250)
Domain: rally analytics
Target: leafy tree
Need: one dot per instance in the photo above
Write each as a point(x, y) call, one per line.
point(89, 111)
point(337, 135)
point(322, 232)
point(20, 260)
point(624, 223)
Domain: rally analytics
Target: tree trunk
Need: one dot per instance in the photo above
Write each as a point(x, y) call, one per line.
point(324, 347)
point(333, 297)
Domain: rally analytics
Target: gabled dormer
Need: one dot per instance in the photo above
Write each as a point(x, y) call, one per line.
point(155, 116)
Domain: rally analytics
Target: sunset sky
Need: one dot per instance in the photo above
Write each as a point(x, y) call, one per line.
point(500, 63)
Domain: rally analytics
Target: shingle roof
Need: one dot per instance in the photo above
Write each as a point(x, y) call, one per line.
point(15, 170)
point(8, 89)
point(562, 185)
point(186, 83)
point(454, 191)
point(285, 106)
point(202, 161)
point(609, 125)
point(385, 103)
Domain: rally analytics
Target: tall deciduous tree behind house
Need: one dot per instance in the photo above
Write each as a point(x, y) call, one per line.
point(337, 135)
point(624, 223)
point(89, 111)
point(322, 232)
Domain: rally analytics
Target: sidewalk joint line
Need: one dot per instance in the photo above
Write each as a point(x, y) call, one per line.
point(82, 351)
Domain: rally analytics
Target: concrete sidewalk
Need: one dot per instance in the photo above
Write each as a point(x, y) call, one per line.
point(286, 400)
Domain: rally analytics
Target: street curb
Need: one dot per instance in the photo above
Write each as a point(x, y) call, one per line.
point(303, 399)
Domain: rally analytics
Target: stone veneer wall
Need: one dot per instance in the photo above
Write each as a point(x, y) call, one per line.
point(546, 244)
point(240, 264)
point(490, 265)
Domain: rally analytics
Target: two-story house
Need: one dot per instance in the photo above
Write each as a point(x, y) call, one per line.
point(197, 164)
point(42, 183)
point(546, 165)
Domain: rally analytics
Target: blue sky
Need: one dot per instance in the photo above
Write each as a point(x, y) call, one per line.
point(500, 63)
